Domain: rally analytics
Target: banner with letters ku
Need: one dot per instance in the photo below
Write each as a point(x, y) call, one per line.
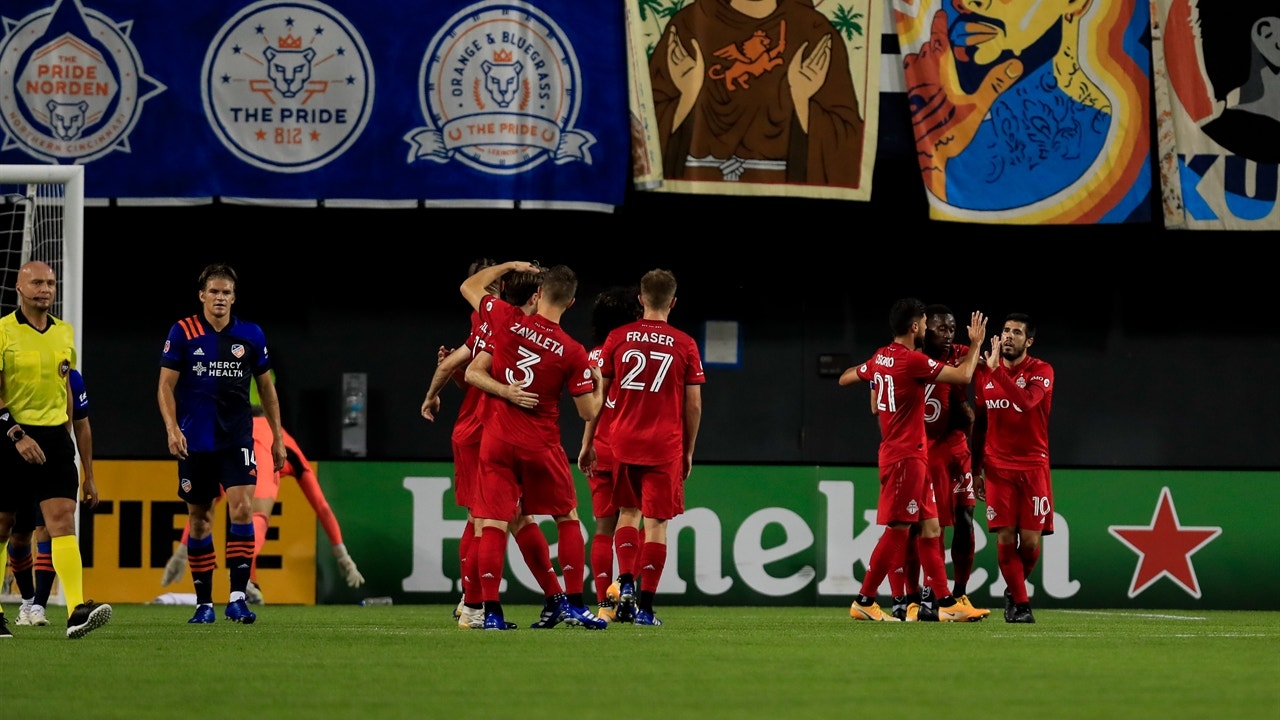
point(1218, 98)
point(451, 102)
point(1030, 112)
point(758, 97)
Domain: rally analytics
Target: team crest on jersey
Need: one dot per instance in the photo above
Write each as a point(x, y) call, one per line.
point(913, 508)
point(64, 368)
point(237, 350)
point(1022, 383)
point(186, 485)
point(500, 88)
point(71, 83)
point(287, 86)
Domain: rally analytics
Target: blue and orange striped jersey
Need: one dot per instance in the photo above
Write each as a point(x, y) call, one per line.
point(215, 371)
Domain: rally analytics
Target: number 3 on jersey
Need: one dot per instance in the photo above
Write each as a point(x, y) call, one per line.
point(525, 364)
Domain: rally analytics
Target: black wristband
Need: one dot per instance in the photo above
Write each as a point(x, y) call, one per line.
point(7, 422)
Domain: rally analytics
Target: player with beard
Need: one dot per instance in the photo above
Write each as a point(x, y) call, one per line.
point(1013, 393)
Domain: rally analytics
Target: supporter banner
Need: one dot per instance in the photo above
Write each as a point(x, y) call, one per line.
point(127, 540)
point(1219, 113)
point(767, 535)
point(1030, 113)
point(772, 97)
point(451, 102)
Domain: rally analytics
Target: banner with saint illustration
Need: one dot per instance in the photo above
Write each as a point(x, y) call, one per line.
point(1219, 112)
point(755, 97)
point(1030, 113)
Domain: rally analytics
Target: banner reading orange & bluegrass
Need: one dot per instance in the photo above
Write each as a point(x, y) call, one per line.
point(1220, 113)
point(1030, 112)
point(755, 97)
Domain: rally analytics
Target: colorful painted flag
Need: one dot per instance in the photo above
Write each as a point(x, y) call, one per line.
point(1030, 113)
point(767, 97)
point(1218, 112)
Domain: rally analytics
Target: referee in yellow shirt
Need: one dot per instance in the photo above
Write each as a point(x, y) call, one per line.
point(37, 353)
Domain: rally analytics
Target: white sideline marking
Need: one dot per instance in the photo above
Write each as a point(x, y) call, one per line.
point(1155, 616)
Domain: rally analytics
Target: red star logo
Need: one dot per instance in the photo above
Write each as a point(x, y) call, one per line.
point(1164, 548)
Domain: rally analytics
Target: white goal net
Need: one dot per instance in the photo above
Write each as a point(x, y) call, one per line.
point(42, 218)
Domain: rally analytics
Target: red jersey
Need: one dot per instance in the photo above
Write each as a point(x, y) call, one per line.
point(604, 451)
point(537, 354)
point(900, 376)
point(650, 362)
point(939, 398)
point(1016, 402)
point(466, 429)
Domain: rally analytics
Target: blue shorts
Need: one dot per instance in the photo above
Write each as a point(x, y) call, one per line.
point(203, 475)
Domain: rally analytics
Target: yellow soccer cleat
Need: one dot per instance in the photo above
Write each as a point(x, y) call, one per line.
point(964, 600)
point(869, 612)
point(959, 613)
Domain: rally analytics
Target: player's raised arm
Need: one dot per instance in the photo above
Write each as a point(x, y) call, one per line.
point(476, 287)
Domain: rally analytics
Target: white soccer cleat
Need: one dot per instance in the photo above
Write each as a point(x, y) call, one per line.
point(37, 616)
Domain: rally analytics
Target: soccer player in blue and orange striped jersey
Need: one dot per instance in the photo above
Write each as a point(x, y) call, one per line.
point(208, 363)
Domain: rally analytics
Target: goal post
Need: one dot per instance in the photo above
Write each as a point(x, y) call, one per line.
point(42, 218)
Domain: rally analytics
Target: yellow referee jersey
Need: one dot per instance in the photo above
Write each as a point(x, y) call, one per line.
point(34, 366)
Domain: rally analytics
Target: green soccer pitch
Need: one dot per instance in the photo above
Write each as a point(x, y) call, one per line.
point(329, 661)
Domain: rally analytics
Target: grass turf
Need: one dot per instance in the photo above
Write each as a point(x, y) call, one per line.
point(411, 661)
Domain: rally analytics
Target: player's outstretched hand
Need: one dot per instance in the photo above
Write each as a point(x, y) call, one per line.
point(347, 566)
point(176, 567)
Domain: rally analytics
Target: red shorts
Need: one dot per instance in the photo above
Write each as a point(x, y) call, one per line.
point(512, 478)
point(601, 483)
point(658, 490)
point(939, 481)
point(905, 495)
point(1019, 498)
point(962, 476)
point(466, 470)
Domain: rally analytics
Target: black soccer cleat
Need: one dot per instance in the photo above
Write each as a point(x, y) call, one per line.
point(1021, 614)
point(87, 617)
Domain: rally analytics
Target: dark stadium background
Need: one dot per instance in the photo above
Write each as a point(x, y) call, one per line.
point(1165, 343)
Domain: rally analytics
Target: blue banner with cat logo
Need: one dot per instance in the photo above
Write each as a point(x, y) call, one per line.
point(378, 103)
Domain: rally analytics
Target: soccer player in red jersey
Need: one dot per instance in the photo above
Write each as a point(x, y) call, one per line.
point(613, 308)
point(948, 420)
point(528, 363)
point(900, 376)
point(655, 372)
point(519, 290)
point(1013, 393)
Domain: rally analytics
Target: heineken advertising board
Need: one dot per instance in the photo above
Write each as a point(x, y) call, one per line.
point(802, 535)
